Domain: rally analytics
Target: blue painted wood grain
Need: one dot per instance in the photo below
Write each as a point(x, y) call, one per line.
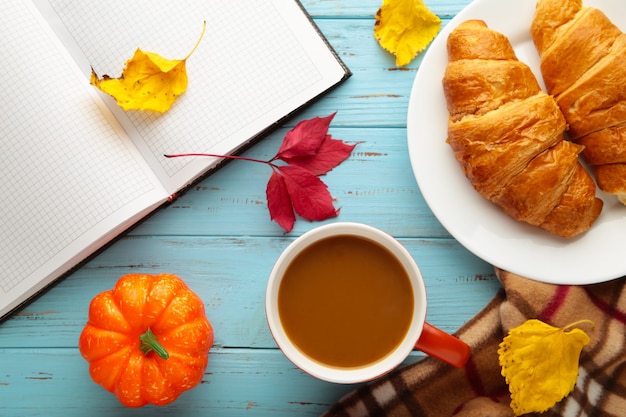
point(219, 238)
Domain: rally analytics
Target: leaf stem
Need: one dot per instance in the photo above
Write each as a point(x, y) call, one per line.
point(576, 323)
point(197, 42)
point(241, 158)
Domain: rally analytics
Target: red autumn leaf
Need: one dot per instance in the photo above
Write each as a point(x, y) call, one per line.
point(309, 195)
point(279, 203)
point(295, 188)
point(305, 138)
point(331, 153)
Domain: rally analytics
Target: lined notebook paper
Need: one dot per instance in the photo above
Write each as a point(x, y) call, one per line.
point(80, 170)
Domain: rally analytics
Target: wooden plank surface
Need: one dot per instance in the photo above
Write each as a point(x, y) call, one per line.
point(219, 238)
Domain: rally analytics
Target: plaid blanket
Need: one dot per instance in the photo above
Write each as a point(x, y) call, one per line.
point(431, 388)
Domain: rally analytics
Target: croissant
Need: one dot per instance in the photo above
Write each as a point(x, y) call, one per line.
point(583, 63)
point(507, 135)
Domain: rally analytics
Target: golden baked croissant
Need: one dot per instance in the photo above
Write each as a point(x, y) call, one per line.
point(507, 135)
point(583, 62)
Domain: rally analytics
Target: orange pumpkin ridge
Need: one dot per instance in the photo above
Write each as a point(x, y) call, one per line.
point(147, 340)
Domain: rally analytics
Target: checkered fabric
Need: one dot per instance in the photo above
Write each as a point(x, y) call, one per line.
point(430, 388)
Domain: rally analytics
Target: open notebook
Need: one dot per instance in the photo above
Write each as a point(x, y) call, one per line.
point(80, 170)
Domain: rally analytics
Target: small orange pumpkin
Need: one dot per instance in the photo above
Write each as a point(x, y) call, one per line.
point(147, 340)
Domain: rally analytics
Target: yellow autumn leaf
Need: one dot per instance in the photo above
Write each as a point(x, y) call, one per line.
point(540, 364)
point(405, 28)
point(148, 82)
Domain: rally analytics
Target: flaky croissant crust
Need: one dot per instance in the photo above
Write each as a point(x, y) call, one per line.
point(507, 135)
point(583, 63)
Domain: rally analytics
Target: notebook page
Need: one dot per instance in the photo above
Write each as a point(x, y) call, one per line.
point(258, 61)
point(65, 166)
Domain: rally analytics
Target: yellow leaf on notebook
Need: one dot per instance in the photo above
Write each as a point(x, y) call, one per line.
point(405, 28)
point(540, 364)
point(148, 82)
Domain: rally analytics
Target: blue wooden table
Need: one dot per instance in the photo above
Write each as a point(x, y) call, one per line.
point(218, 237)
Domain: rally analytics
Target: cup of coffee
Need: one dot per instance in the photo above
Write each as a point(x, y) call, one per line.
point(346, 303)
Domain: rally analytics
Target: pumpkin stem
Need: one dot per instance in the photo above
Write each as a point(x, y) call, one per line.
point(150, 343)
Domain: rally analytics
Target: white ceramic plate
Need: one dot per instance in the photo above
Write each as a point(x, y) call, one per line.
point(596, 256)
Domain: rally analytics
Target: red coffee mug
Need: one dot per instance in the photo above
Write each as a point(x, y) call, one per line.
point(421, 335)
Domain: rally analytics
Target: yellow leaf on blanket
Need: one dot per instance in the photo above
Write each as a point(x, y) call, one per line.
point(148, 82)
point(405, 28)
point(540, 364)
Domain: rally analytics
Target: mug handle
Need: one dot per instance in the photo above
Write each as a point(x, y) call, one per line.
point(443, 346)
